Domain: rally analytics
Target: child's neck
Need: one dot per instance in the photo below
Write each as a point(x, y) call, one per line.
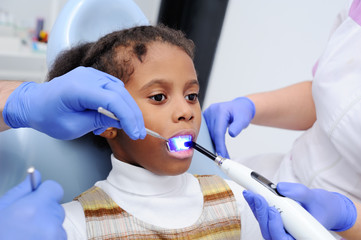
point(130, 178)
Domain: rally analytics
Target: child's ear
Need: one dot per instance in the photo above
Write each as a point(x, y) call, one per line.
point(110, 133)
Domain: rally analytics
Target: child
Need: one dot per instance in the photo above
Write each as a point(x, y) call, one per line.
point(148, 194)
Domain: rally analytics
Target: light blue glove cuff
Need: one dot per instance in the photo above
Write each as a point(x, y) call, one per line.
point(13, 115)
point(349, 209)
point(252, 106)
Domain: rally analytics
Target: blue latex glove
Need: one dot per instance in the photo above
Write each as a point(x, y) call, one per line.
point(32, 215)
point(268, 218)
point(333, 210)
point(66, 107)
point(236, 114)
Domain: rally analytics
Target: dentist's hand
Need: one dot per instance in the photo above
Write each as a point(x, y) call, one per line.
point(235, 114)
point(268, 218)
point(66, 107)
point(32, 215)
point(334, 211)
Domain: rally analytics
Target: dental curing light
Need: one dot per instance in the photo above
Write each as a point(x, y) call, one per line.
point(297, 221)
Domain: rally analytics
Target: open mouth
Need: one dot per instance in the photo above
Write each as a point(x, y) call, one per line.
point(177, 143)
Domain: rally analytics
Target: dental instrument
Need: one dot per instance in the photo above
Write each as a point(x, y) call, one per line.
point(149, 132)
point(297, 221)
point(31, 171)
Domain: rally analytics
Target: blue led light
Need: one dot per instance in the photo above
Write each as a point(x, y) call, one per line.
point(176, 144)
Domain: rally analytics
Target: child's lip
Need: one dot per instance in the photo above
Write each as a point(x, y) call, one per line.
point(182, 154)
point(185, 132)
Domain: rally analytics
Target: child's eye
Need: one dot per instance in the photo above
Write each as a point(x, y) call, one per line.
point(158, 97)
point(192, 97)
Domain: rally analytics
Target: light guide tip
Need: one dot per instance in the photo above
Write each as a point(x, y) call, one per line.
point(179, 143)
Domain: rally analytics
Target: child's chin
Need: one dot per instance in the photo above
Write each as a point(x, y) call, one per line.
point(177, 168)
point(179, 172)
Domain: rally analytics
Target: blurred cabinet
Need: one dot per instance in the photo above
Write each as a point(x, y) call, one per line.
point(18, 60)
point(20, 57)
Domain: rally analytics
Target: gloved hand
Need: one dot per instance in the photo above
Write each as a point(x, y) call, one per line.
point(333, 210)
point(355, 11)
point(268, 218)
point(32, 215)
point(235, 114)
point(66, 107)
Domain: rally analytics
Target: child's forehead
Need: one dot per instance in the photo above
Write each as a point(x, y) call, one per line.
point(160, 60)
point(134, 54)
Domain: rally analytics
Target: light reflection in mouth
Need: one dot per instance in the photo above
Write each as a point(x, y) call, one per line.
point(177, 144)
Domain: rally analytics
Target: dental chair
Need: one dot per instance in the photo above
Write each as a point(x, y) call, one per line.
point(78, 164)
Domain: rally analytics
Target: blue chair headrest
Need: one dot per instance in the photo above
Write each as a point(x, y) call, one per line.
point(88, 20)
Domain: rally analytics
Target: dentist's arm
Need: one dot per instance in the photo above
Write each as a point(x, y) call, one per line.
point(66, 107)
point(6, 88)
point(291, 107)
point(334, 211)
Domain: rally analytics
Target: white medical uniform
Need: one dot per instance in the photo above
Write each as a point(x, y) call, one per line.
point(328, 155)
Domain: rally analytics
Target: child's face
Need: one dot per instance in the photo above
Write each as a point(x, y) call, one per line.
point(165, 87)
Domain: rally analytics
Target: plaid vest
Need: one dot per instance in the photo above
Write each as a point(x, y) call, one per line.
point(220, 218)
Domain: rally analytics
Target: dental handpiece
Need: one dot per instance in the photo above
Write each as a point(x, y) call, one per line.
point(111, 115)
point(297, 221)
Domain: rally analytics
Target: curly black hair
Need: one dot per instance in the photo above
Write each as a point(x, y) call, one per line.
point(115, 52)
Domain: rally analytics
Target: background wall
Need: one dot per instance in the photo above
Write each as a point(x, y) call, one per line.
point(266, 45)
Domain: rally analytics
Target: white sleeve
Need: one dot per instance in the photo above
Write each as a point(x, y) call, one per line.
point(337, 91)
point(74, 223)
point(341, 16)
point(249, 225)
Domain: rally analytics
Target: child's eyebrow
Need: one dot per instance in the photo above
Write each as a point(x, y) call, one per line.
point(154, 82)
point(192, 82)
point(164, 82)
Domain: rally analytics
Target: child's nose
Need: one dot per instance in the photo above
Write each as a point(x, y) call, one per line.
point(182, 111)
